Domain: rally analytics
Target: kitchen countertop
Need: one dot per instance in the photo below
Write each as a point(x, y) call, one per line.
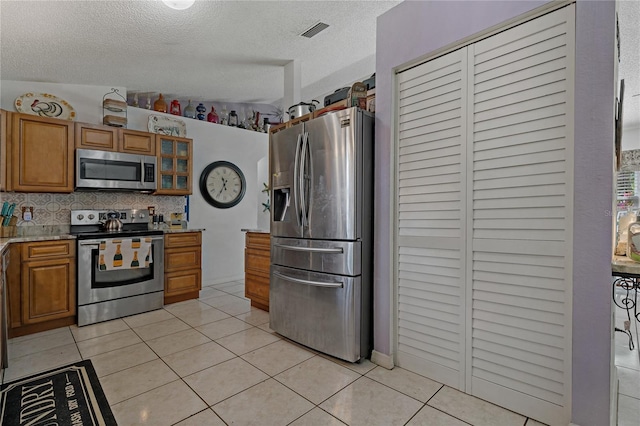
point(61, 232)
point(624, 265)
point(259, 231)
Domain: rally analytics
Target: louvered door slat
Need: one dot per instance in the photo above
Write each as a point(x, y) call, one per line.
point(430, 198)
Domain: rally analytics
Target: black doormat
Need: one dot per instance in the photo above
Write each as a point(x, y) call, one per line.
point(69, 395)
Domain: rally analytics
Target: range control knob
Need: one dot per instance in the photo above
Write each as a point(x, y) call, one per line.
point(91, 216)
point(80, 216)
point(141, 215)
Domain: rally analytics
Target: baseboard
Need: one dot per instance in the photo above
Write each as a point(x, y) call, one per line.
point(215, 281)
point(383, 360)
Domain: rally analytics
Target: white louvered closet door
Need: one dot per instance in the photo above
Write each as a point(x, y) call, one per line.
point(430, 218)
point(521, 196)
point(484, 217)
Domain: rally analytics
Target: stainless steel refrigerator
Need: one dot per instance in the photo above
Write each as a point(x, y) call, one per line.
point(320, 292)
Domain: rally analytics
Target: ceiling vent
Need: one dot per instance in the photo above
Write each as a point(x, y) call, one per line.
point(314, 30)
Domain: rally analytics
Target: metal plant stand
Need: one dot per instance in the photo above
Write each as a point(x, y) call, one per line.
point(627, 300)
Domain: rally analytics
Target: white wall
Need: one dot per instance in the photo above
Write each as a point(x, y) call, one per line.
point(222, 242)
point(630, 138)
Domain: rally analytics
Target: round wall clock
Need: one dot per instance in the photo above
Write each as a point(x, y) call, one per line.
point(222, 184)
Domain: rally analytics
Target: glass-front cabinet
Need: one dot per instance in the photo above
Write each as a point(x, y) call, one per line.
point(174, 165)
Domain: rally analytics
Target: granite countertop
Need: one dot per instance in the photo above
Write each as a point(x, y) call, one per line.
point(624, 265)
point(260, 231)
point(176, 231)
point(61, 232)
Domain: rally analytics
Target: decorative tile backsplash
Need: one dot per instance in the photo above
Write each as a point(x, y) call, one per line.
point(55, 209)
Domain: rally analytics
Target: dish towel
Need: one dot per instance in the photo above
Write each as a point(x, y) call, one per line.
point(130, 253)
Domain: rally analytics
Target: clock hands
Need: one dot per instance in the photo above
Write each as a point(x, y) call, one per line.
point(224, 186)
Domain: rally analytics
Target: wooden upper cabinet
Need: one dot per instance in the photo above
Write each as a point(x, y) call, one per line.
point(105, 138)
point(91, 136)
point(41, 154)
point(4, 152)
point(135, 142)
point(175, 165)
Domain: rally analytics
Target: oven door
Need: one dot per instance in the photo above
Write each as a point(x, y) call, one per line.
point(95, 285)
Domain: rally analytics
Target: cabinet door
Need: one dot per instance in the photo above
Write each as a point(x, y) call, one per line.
point(135, 142)
point(90, 136)
point(4, 151)
point(41, 154)
point(48, 290)
point(174, 165)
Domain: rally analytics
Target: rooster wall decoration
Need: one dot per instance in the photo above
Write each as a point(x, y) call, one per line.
point(46, 109)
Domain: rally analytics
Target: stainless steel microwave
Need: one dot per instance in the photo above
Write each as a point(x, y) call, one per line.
point(105, 170)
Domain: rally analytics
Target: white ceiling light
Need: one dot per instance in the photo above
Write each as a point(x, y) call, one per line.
point(179, 4)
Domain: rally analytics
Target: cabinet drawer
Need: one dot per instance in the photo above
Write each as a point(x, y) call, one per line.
point(182, 239)
point(258, 240)
point(257, 287)
point(256, 260)
point(47, 250)
point(182, 282)
point(182, 258)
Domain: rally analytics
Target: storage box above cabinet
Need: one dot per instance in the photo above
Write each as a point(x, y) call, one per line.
point(105, 138)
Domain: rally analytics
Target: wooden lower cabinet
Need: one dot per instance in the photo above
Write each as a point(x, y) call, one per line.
point(41, 286)
point(182, 266)
point(48, 290)
point(257, 258)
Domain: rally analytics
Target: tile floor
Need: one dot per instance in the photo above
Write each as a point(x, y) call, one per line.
point(628, 367)
point(215, 361)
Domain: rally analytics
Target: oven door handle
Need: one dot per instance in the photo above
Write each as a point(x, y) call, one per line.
point(96, 244)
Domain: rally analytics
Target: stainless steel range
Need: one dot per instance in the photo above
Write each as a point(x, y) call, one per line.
point(123, 288)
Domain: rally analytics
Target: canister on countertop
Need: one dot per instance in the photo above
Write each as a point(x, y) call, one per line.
point(623, 232)
point(633, 245)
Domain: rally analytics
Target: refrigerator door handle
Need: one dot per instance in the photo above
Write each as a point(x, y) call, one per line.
point(296, 180)
point(303, 177)
point(308, 282)
point(310, 249)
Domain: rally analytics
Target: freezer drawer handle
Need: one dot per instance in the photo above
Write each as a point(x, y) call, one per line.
point(309, 249)
point(307, 282)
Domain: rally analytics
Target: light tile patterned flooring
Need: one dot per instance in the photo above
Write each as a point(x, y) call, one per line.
point(215, 361)
point(628, 367)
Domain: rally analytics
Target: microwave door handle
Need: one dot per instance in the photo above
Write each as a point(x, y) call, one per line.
point(142, 171)
point(296, 180)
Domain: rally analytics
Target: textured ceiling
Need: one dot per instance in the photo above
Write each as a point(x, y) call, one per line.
point(231, 51)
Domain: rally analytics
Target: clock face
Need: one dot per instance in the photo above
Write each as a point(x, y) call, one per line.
point(222, 184)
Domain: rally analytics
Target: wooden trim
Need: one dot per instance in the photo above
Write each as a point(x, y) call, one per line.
point(181, 297)
point(5, 120)
point(259, 305)
point(43, 326)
